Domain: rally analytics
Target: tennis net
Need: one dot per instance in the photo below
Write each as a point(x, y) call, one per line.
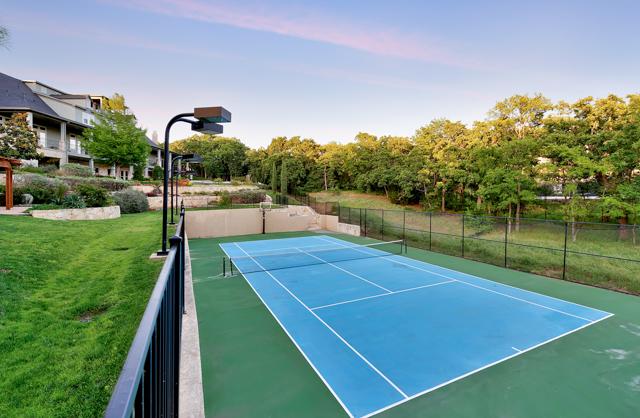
point(308, 256)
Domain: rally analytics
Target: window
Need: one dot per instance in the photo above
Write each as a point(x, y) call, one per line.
point(124, 174)
point(96, 170)
point(109, 172)
point(73, 143)
point(41, 133)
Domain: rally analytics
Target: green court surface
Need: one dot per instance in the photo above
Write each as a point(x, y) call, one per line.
point(251, 368)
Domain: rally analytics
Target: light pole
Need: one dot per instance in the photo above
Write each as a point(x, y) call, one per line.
point(189, 158)
point(207, 120)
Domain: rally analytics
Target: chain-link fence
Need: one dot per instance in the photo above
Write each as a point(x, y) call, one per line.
point(598, 254)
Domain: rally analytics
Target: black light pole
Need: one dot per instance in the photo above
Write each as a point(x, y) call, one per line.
point(173, 160)
point(207, 119)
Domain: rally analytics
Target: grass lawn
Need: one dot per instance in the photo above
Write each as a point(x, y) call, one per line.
point(71, 297)
point(359, 200)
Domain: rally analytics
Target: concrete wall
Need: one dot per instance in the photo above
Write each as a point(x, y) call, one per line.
point(155, 202)
point(348, 229)
point(87, 214)
point(223, 223)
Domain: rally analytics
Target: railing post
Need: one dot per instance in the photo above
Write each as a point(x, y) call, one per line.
point(564, 258)
point(506, 239)
point(382, 224)
point(183, 234)
point(175, 331)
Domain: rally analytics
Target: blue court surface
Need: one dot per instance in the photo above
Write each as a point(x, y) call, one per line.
point(380, 329)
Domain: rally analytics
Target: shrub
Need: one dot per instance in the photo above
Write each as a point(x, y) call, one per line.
point(73, 201)
point(94, 196)
point(43, 189)
point(225, 200)
point(131, 201)
point(108, 183)
point(158, 173)
point(78, 170)
point(247, 196)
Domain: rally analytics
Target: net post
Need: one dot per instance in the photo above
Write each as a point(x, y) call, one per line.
point(564, 258)
point(463, 219)
point(224, 266)
point(506, 240)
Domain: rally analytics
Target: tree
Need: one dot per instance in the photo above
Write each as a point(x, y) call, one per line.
point(116, 103)
point(17, 139)
point(115, 139)
point(4, 36)
point(221, 157)
point(284, 178)
point(274, 177)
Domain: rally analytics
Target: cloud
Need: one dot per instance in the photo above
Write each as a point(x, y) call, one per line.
point(303, 24)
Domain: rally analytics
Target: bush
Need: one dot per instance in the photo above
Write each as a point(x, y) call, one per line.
point(78, 170)
point(158, 173)
point(247, 196)
point(43, 189)
point(73, 201)
point(131, 201)
point(108, 183)
point(225, 200)
point(94, 196)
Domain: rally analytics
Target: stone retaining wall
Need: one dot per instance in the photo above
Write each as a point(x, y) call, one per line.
point(86, 214)
point(155, 202)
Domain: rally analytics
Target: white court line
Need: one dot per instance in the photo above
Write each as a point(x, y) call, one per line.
point(374, 368)
point(482, 368)
point(315, 369)
point(346, 271)
point(340, 242)
point(517, 349)
point(479, 287)
point(382, 294)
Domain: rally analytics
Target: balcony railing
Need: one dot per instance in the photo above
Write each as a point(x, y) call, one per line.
point(148, 385)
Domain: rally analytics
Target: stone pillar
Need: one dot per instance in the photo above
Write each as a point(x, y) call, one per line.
point(62, 144)
point(159, 155)
point(130, 176)
point(91, 166)
point(115, 172)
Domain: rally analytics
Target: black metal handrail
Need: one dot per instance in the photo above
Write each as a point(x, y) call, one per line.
point(148, 385)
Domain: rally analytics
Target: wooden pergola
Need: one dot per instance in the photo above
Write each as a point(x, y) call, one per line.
point(8, 164)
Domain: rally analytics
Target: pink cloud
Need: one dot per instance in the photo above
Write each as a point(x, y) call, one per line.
point(303, 24)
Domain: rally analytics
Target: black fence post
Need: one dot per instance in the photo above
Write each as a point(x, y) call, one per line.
point(404, 225)
point(382, 224)
point(564, 258)
point(174, 332)
point(360, 220)
point(365, 222)
point(506, 239)
point(430, 216)
point(463, 235)
point(183, 251)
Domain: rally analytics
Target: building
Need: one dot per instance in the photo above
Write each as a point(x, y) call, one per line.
point(58, 118)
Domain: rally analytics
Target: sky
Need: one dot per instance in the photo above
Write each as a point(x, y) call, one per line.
point(323, 69)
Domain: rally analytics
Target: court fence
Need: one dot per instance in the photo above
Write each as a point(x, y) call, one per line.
point(597, 254)
point(148, 385)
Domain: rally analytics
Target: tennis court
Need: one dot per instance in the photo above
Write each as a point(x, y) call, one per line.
point(380, 328)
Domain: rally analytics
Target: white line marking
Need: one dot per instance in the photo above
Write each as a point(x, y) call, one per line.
point(479, 287)
point(482, 368)
point(346, 271)
point(382, 294)
point(315, 369)
point(518, 350)
point(328, 327)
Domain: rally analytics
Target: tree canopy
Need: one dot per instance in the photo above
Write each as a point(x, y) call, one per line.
point(17, 139)
point(222, 157)
point(115, 138)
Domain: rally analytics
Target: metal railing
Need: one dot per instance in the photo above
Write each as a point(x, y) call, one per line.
point(599, 254)
point(148, 385)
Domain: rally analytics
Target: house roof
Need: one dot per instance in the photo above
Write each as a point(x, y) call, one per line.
point(71, 96)
point(15, 95)
point(152, 143)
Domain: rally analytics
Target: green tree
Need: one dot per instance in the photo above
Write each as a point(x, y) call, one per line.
point(17, 139)
point(284, 178)
point(274, 177)
point(115, 139)
point(4, 36)
point(221, 157)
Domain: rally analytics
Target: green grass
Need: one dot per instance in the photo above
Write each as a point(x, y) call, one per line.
point(71, 297)
point(251, 368)
point(356, 199)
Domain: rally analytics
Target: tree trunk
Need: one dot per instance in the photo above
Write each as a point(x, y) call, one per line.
point(442, 203)
point(623, 229)
point(478, 201)
point(326, 187)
